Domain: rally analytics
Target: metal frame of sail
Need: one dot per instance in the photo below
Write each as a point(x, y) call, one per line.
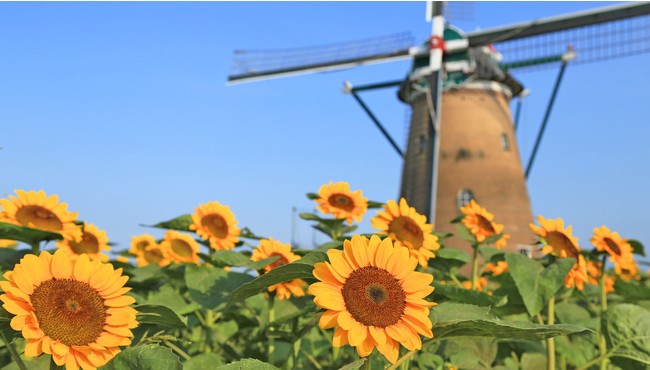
point(558, 23)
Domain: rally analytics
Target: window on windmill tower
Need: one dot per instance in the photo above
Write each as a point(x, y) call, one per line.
point(505, 143)
point(464, 196)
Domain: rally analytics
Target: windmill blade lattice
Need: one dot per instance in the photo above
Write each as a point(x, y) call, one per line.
point(592, 43)
point(249, 65)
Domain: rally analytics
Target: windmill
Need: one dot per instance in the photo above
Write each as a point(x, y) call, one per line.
point(461, 141)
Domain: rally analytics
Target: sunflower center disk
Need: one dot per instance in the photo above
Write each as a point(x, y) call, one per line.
point(153, 255)
point(70, 311)
point(88, 244)
point(140, 246)
point(406, 230)
point(181, 248)
point(341, 201)
point(613, 246)
point(374, 297)
point(484, 224)
point(560, 241)
point(40, 217)
point(216, 224)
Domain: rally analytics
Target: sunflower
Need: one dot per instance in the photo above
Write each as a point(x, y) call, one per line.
point(270, 248)
point(479, 222)
point(373, 297)
point(337, 199)
point(627, 269)
point(606, 241)
point(153, 255)
point(217, 223)
point(498, 268)
point(140, 242)
point(74, 310)
point(36, 210)
point(558, 240)
point(180, 248)
point(406, 227)
point(93, 242)
point(594, 271)
point(577, 277)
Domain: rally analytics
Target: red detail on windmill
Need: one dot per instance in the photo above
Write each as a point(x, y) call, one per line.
point(436, 42)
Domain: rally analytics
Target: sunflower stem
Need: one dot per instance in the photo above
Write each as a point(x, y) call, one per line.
point(12, 351)
point(36, 246)
point(475, 268)
point(550, 342)
point(453, 277)
point(271, 319)
point(177, 349)
point(402, 359)
point(602, 342)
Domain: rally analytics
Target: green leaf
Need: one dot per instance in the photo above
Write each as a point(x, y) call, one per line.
point(161, 316)
point(535, 283)
point(354, 365)
point(300, 269)
point(453, 254)
point(231, 258)
point(145, 357)
point(428, 360)
point(204, 361)
point(489, 253)
point(627, 329)
point(460, 294)
point(309, 216)
point(169, 297)
point(458, 219)
point(632, 290)
point(637, 247)
point(10, 257)
point(348, 229)
point(179, 223)
point(26, 234)
point(456, 319)
point(211, 286)
point(522, 330)
point(472, 353)
point(5, 327)
point(451, 311)
point(247, 364)
point(492, 239)
point(463, 232)
point(533, 361)
point(577, 349)
point(572, 313)
point(338, 244)
point(313, 196)
point(313, 257)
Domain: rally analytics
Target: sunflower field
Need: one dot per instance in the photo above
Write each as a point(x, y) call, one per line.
point(212, 295)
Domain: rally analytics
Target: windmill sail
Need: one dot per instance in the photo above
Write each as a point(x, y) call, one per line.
point(249, 65)
point(595, 35)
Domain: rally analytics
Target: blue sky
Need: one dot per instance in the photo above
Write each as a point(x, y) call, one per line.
point(122, 110)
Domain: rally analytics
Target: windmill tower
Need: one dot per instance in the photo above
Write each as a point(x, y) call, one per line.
point(461, 143)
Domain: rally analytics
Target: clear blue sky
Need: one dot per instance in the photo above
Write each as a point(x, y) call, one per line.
point(122, 109)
